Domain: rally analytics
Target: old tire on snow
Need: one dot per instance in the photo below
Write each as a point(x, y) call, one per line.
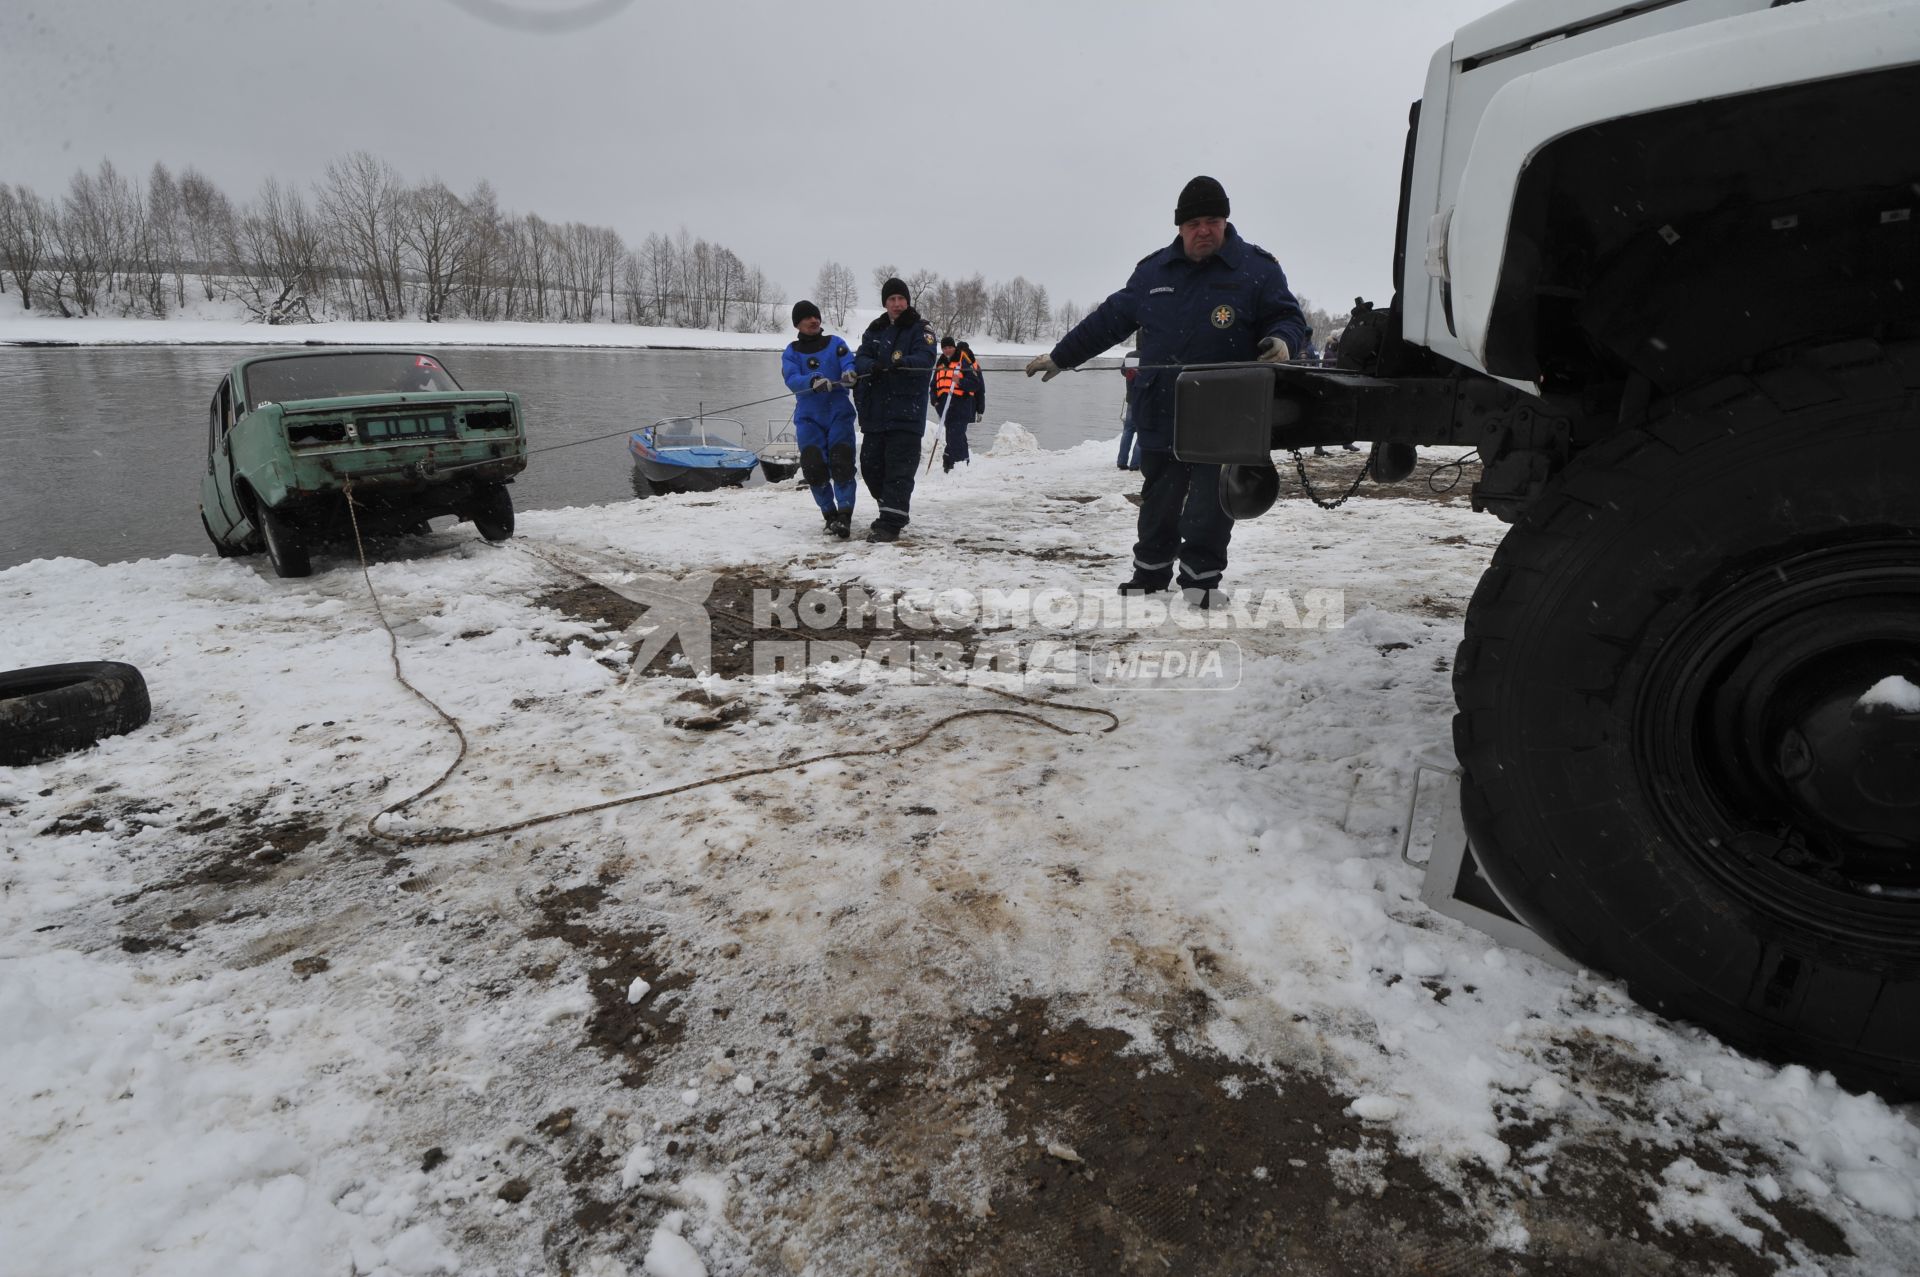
point(493, 513)
point(1670, 768)
point(286, 550)
point(55, 709)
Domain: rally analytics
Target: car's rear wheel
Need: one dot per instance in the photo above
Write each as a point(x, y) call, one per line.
point(286, 549)
point(493, 513)
point(1672, 766)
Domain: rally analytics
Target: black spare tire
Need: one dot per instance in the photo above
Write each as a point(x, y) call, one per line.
point(55, 709)
point(1676, 764)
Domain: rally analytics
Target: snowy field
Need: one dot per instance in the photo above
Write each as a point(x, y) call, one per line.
point(221, 323)
point(1156, 999)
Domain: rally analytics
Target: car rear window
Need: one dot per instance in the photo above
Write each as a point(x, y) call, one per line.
point(328, 376)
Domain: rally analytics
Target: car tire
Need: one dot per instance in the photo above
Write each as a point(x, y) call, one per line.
point(285, 548)
point(220, 547)
point(493, 513)
point(1669, 768)
point(55, 709)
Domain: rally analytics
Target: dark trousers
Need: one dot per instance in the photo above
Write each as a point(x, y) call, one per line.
point(888, 460)
point(1181, 523)
point(958, 418)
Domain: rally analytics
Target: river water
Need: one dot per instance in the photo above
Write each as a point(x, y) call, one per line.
point(102, 448)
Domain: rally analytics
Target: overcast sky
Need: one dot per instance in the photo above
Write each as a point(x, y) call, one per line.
point(1046, 140)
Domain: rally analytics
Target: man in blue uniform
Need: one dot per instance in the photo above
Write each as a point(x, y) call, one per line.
point(818, 369)
point(894, 364)
point(1209, 297)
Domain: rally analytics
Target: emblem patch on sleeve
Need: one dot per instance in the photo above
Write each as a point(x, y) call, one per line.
point(1223, 316)
point(929, 339)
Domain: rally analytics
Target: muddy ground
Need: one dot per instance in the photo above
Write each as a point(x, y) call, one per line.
point(1008, 1138)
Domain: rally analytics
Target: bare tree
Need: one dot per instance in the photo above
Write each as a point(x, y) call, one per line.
point(920, 282)
point(164, 230)
point(613, 264)
point(881, 274)
point(360, 202)
point(90, 235)
point(655, 270)
point(536, 244)
point(834, 291)
point(487, 259)
point(278, 250)
point(970, 304)
point(438, 235)
point(207, 219)
point(1039, 311)
point(26, 234)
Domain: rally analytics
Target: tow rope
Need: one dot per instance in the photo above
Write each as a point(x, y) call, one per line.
point(444, 837)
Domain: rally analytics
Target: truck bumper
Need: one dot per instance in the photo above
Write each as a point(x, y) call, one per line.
point(1240, 414)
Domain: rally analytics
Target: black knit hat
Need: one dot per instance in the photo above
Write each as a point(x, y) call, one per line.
point(1202, 197)
point(946, 341)
point(804, 309)
point(893, 286)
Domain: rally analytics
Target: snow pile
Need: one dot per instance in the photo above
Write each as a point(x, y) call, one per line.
point(1893, 692)
point(1011, 439)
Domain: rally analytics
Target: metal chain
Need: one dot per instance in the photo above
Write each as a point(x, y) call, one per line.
point(1300, 465)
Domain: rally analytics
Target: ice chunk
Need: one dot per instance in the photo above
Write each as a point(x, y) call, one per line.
point(672, 1256)
point(638, 1166)
point(1375, 1108)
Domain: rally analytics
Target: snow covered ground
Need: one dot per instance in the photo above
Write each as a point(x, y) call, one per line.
point(1013, 1000)
point(220, 323)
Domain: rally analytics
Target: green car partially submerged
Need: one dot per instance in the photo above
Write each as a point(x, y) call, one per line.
point(287, 434)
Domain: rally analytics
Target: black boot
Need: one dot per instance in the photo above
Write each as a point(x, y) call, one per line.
point(843, 524)
point(1142, 585)
point(882, 533)
point(1202, 599)
point(832, 521)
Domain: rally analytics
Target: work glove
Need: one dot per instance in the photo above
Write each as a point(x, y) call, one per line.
point(1044, 365)
point(849, 378)
point(1274, 351)
point(821, 385)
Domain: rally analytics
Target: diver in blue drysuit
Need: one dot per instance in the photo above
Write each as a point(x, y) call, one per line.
point(819, 371)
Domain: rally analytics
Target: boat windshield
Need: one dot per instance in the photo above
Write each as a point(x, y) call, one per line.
point(699, 432)
point(325, 376)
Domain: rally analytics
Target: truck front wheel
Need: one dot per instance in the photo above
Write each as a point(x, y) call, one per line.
point(1689, 712)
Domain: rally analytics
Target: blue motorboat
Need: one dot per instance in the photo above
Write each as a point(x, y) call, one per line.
point(690, 454)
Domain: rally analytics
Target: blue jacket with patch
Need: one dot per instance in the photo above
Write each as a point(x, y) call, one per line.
point(895, 364)
point(1209, 312)
point(810, 357)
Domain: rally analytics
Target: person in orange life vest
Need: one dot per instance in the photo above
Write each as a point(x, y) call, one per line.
point(955, 395)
